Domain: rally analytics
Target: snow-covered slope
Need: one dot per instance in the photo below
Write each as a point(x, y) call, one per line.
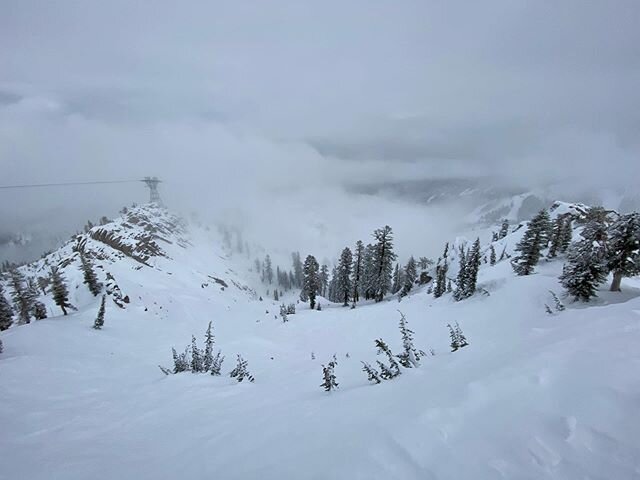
point(533, 396)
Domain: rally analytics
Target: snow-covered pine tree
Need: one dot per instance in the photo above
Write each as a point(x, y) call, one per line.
point(410, 357)
point(473, 266)
point(567, 234)
point(268, 269)
point(196, 356)
point(311, 279)
point(343, 285)
point(89, 274)
point(455, 344)
point(440, 286)
point(530, 248)
point(99, 321)
point(39, 311)
point(6, 312)
point(297, 269)
point(395, 282)
point(442, 267)
point(504, 229)
point(358, 259)
point(59, 290)
point(449, 286)
point(216, 364)
point(180, 361)
point(623, 257)
point(324, 279)
point(241, 371)
point(369, 272)
point(372, 373)
point(22, 298)
point(333, 285)
point(461, 279)
point(462, 340)
point(558, 304)
point(383, 259)
point(283, 313)
point(387, 372)
point(1, 346)
point(586, 266)
point(209, 341)
point(492, 255)
point(329, 382)
point(276, 297)
point(557, 229)
point(410, 276)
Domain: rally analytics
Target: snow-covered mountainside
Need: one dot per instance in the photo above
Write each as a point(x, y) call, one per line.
point(533, 396)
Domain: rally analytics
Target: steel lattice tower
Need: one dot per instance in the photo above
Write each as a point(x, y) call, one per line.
point(152, 183)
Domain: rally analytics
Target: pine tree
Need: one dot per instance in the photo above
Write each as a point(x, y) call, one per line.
point(216, 364)
point(241, 371)
point(492, 256)
point(567, 234)
point(268, 270)
point(462, 277)
point(441, 279)
point(458, 340)
point(383, 262)
point(624, 248)
point(440, 286)
point(410, 276)
point(396, 280)
point(343, 285)
point(410, 357)
point(99, 321)
point(6, 312)
point(535, 239)
point(324, 279)
point(90, 278)
point(473, 267)
point(462, 340)
point(196, 356)
point(586, 266)
point(22, 299)
point(557, 230)
point(329, 382)
point(311, 279)
point(358, 260)
point(504, 229)
point(276, 297)
point(558, 304)
point(333, 285)
point(59, 290)
point(209, 340)
point(1, 346)
point(387, 372)
point(369, 273)
point(297, 269)
point(372, 373)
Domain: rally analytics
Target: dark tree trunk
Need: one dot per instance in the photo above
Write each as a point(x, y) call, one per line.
point(617, 280)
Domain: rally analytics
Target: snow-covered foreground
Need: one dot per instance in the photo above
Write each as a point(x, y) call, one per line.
point(533, 396)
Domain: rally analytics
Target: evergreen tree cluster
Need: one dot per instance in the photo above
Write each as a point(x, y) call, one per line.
point(469, 265)
point(458, 340)
point(605, 247)
point(409, 358)
point(198, 360)
point(529, 248)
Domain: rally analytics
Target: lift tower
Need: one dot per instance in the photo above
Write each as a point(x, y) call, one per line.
point(152, 183)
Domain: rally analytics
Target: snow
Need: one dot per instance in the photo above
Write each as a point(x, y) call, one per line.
point(533, 396)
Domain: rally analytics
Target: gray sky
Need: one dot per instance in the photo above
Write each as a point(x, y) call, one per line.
point(245, 103)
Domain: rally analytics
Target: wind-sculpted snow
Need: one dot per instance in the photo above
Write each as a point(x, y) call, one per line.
point(533, 395)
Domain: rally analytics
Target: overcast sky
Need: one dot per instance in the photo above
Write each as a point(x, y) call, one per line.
point(245, 104)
